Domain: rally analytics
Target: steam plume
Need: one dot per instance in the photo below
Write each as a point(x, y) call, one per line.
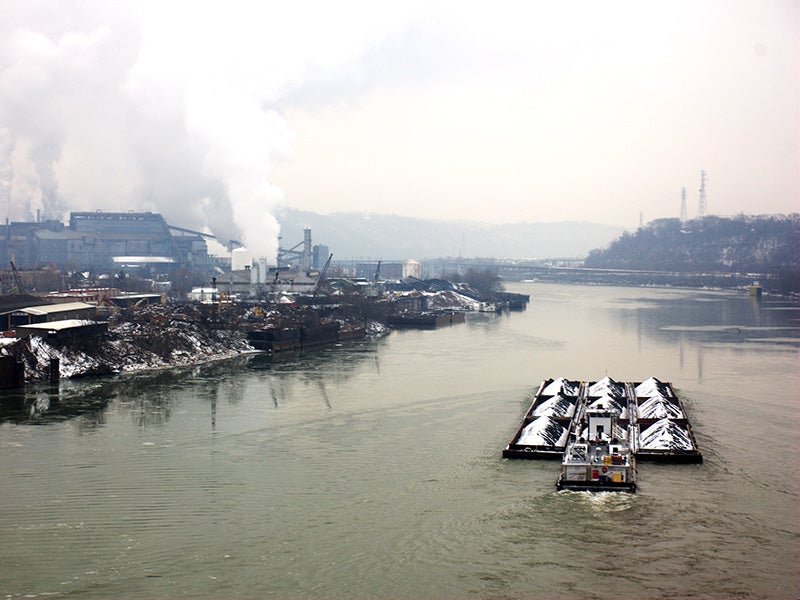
point(168, 107)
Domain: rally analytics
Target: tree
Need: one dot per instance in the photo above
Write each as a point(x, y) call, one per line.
point(741, 244)
point(485, 281)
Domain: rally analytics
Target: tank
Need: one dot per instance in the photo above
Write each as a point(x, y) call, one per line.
point(240, 259)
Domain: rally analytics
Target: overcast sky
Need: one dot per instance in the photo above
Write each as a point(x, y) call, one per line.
point(216, 113)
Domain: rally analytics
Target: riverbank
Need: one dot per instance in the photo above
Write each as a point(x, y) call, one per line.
point(159, 336)
point(154, 337)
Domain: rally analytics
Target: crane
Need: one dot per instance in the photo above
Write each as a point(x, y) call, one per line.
point(322, 275)
point(17, 279)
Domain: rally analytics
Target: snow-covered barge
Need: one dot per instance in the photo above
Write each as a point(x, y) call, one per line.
point(600, 429)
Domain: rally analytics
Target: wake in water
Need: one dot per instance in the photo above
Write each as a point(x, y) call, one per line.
point(602, 502)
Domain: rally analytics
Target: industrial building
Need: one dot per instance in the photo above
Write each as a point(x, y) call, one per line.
point(144, 244)
point(48, 313)
point(104, 241)
point(390, 270)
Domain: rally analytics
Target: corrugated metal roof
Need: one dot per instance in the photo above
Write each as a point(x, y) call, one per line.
point(136, 296)
point(50, 309)
point(61, 325)
point(143, 259)
point(15, 302)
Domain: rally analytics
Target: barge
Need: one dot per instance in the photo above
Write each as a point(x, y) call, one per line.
point(545, 427)
point(599, 430)
point(425, 320)
point(282, 339)
point(513, 300)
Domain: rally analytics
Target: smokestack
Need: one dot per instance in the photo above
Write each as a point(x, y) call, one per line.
point(306, 248)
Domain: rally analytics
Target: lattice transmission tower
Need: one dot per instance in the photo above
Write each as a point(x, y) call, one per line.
point(684, 216)
point(702, 209)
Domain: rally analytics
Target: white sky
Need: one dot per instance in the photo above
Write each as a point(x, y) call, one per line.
point(564, 110)
point(216, 113)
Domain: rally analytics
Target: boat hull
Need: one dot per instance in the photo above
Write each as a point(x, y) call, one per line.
point(597, 486)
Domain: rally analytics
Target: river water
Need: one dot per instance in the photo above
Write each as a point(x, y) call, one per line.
point(374, 469)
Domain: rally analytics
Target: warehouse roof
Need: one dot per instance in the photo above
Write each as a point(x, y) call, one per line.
point(61, 325)
point(51, 309)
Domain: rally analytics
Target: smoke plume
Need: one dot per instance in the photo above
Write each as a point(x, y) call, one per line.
point(168, 107)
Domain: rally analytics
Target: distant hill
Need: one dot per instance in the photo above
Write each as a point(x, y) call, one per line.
point(768, 244)
point(391, 237)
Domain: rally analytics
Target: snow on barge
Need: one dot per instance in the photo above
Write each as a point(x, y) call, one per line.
point(600, 429)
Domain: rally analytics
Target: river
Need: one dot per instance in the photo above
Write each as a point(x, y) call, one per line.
point(374, 469)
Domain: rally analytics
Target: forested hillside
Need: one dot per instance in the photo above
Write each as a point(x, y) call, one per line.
point(767, 244)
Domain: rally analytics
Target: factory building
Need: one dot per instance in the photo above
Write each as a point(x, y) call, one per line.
point(144, 244)
point(391, 270)
point(103, 241)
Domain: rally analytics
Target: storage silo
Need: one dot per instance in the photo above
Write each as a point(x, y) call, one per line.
point(240, 259)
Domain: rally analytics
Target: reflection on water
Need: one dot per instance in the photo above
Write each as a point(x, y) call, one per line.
point(374, 469)
point(70, 399)
point(713, 317)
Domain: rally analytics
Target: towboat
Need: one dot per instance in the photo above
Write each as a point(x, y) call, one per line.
point(600, 458)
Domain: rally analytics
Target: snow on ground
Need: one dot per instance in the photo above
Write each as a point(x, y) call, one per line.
point(131, 346)
point(154, 337)
point(72, 362)
point(447, 300)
